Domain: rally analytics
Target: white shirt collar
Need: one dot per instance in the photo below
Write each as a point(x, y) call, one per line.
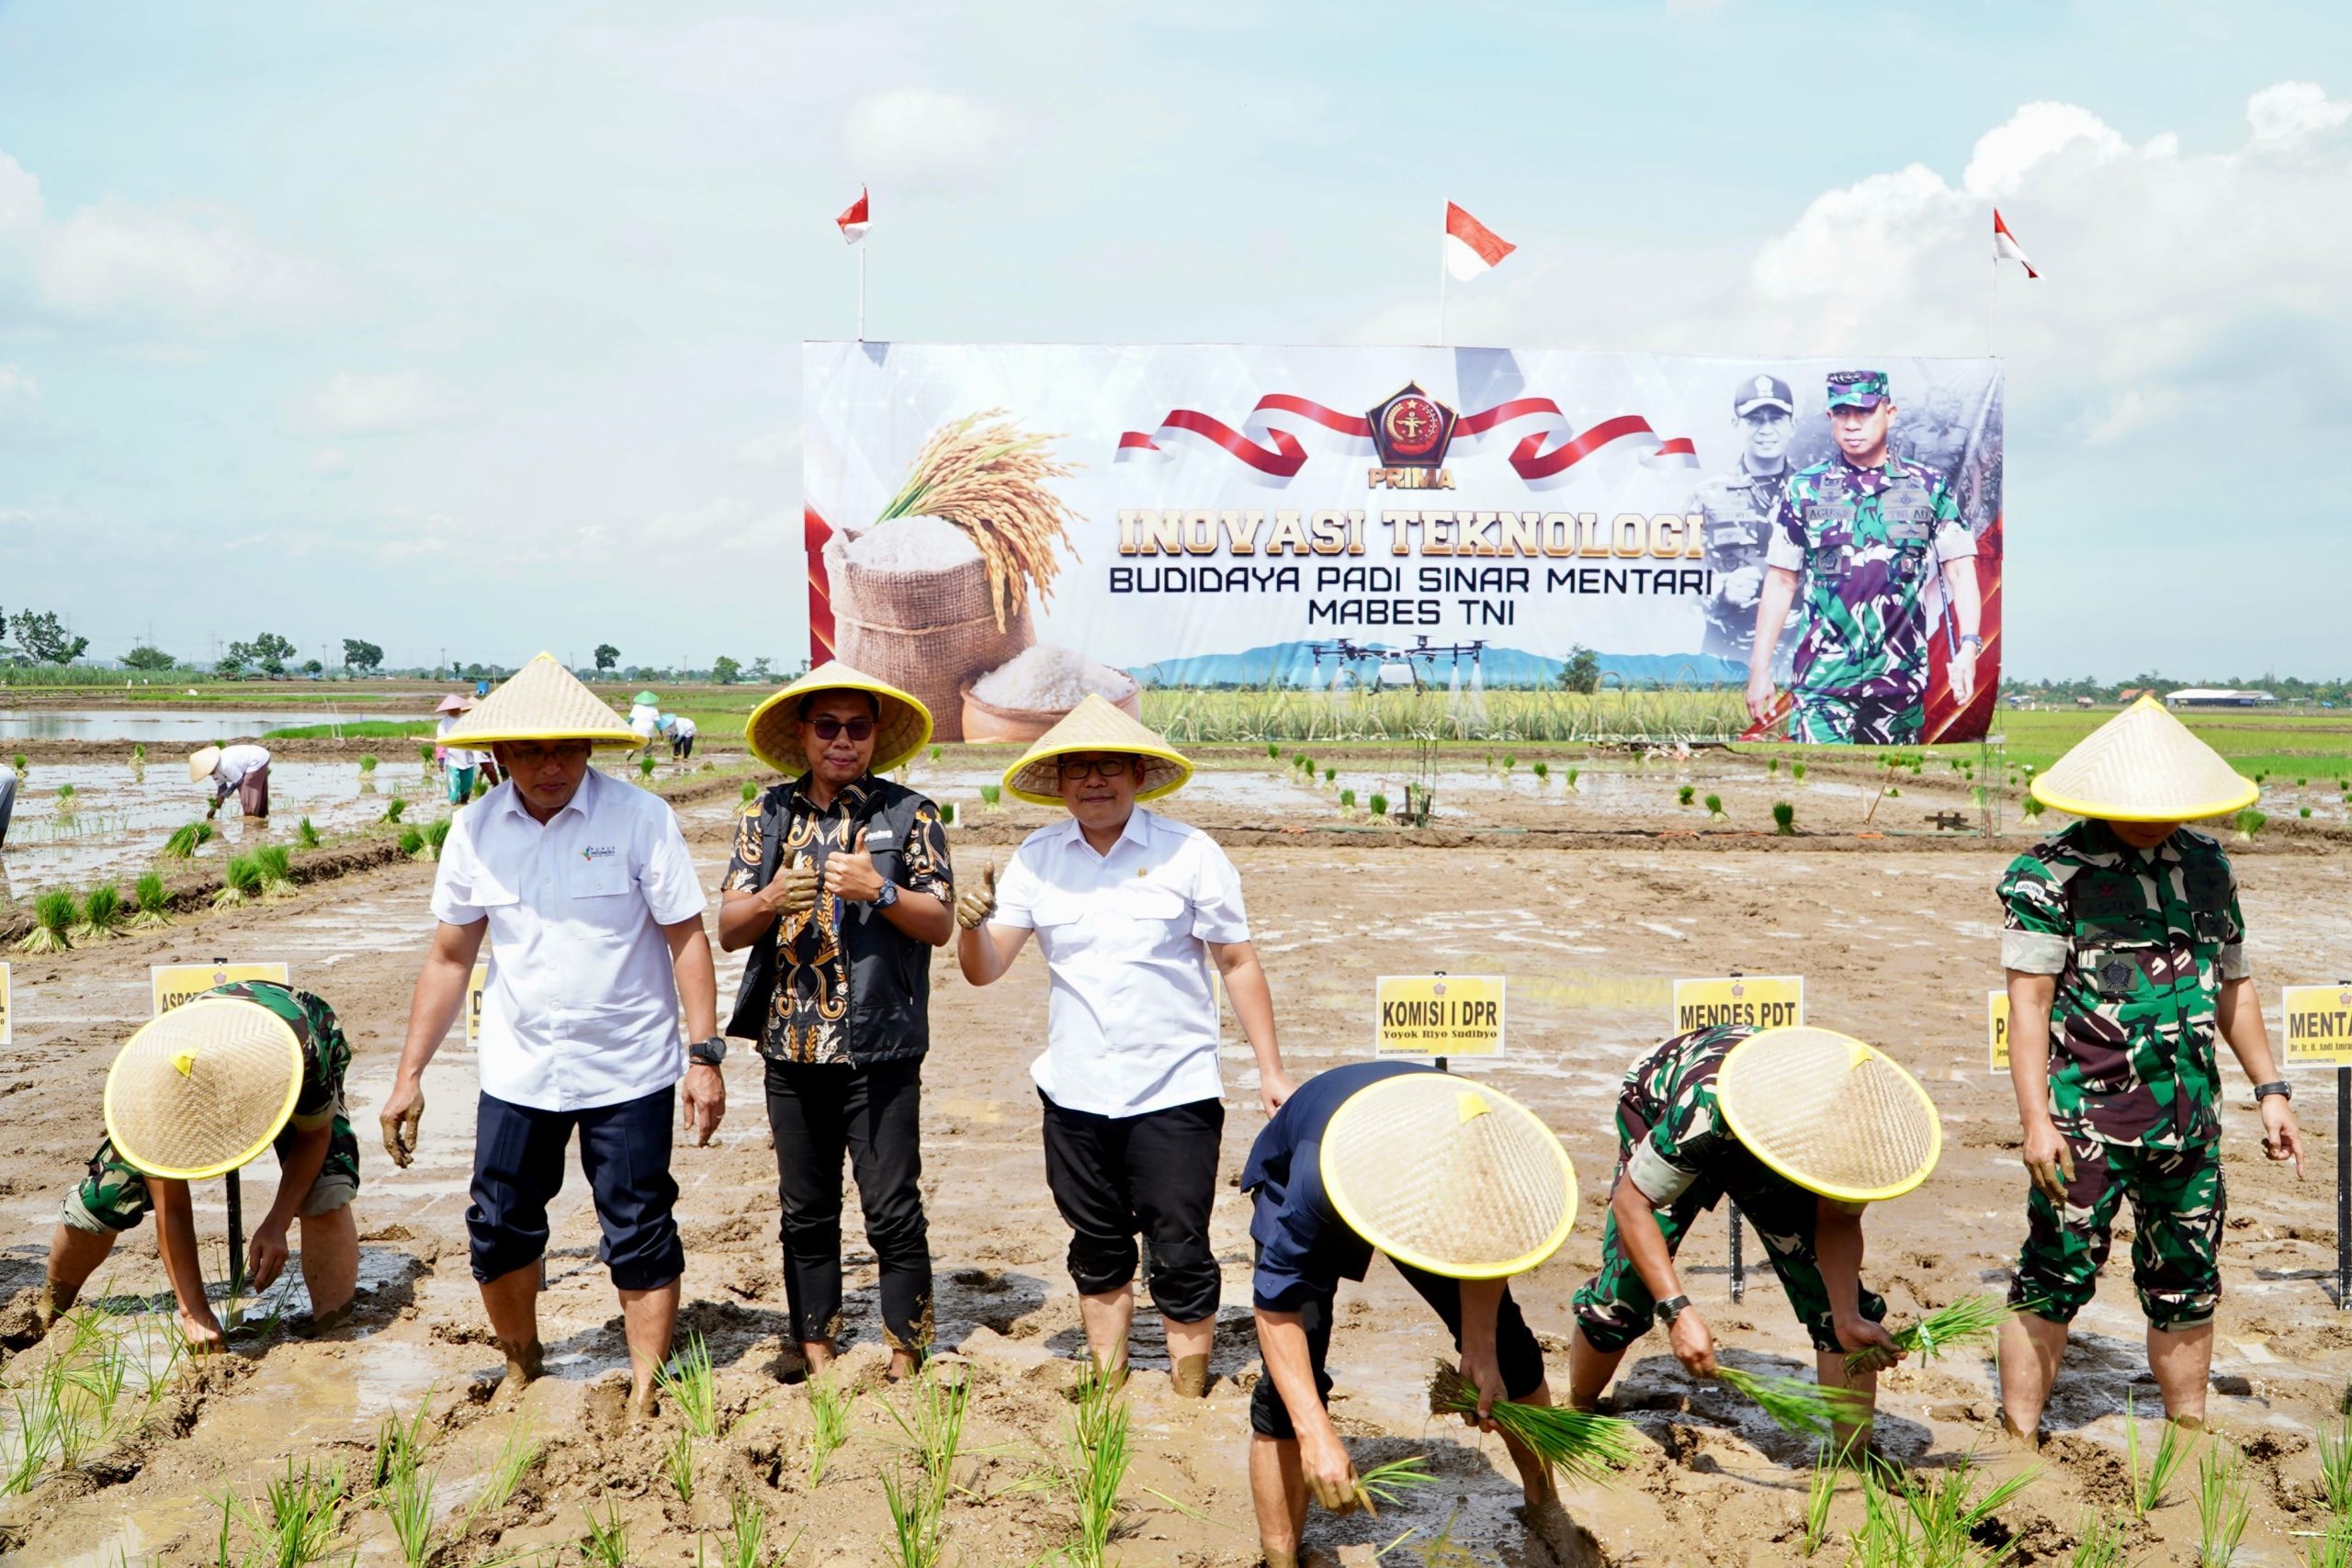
point(589, 781)
point(1138, 831)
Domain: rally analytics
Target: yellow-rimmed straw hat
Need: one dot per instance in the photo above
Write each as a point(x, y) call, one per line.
point(542, 701)
point(203, 1088)
point(902, 730)
point(2144, 765)
point(1449, 1176)
point(1833, 1115)
point(1096, 725)
point(201, 761)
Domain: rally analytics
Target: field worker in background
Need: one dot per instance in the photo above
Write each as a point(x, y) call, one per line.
point(197, 1093)
point(1863, 534)
point(680, 731)
point(1130, 909)
point(461, 765)
point(244, 768)
point(1738, 506)
point(584, 886)
point(1803, 1129)
point(2126, 954)
point(840, 885)
point(1461, 1188)
point(645, 719)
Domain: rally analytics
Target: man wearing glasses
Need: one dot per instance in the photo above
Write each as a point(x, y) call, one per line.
point(584, 887)
point(840, 887)
point(1130, 909)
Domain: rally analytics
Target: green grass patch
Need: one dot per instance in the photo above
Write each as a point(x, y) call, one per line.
point(356, 729)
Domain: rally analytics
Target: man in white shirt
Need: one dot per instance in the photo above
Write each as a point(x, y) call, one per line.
point(1130, 908)
point(244, 768)
point(583, 884)
point(680, 731)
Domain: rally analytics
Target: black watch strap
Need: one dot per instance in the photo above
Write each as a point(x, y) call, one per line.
point(1671, 1308)
point(2281, 1088)
point(707, 1053)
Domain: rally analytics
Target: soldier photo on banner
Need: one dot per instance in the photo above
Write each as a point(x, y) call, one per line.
point(1738, 506)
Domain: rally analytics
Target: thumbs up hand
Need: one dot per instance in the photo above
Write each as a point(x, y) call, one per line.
point(793, 893)
point(849, 874)
point(977, 903)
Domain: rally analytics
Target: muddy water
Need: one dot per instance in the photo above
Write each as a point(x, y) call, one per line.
point(163, 727)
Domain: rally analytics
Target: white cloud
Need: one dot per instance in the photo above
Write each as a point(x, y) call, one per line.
point(19, 393)
point(2291, 113)
point(114, 262)
point(915, 135)
point(351, 404)
point(778, 448)
point(328, 463)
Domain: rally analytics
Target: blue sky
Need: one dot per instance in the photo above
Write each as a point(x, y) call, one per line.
point(476, 328)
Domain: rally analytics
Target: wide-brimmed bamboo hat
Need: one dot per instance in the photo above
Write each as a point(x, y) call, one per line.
point(453, 704)
point(772, 731)
point(1449, 1176)
point(2144, 765)
point(1833, 1115)
point(1096, 725)
point(201, 761)
point(203, 1088)
point(542, 701)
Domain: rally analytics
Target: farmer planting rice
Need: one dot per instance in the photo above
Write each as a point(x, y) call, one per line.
point(1130, 909)
point(1462, 1188)
point(1803, 1129)
point(680, 731)
point(2126, 953)
point(585, 889)
point(840, 885)
point(242, 768)
point(197, 1093)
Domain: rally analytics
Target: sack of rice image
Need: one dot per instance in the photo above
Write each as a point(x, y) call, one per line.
point(1023, 699)
point(934, 592)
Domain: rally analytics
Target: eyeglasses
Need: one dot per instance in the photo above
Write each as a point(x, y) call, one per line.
point(1102, 767)
point(831, 729)
point(528, 754)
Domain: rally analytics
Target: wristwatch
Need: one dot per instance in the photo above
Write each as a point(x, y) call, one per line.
point(1971, 636)
point(887, 897)
point(2282, 1088)
point(1671, 1308)
point(707, 1053)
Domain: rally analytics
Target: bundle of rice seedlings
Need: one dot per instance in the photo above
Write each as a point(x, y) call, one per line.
point(1820, 1493)
point(424, 754)
point(101, 914)
point(1544, 772)
point(436, 835)
point(606, 1543)
point(1378, 805)
point(54, 917)
point(751, 792)
point(154, 904)
point(1684, 794)
point(186, 840)
point(2332, 1548)
point(411, 843)
point(305, 835)
point(366, 762)
point(689, 1380)
point(22, 766)
point(1577, 1443)
point(1808, 1409)
point(1716, 808)
point(2223, 1505)
point(1772, 765)
point(241, 882)
point(1946, 1328)
point(2171, 1452)
point(2336, 1468)
point(678, 1463)
point(1572, 777)
point(2032, 808)
point(393, 807)
point(2098, 1544)
point(1797, 769)
point(947, 813)
point(989, 480)
point(991, 795)
point(2249, 822)
point(936, 753)
point(1347, 800)
point(645, 766)
point(64, 799)
point(1785, 818)
point(276, 864)
point(830, 1403)
point(1388, 1482)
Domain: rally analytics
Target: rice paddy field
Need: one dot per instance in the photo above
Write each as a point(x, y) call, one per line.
point(1590, 874)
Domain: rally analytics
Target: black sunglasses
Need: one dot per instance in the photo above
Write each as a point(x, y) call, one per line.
point(829, 728)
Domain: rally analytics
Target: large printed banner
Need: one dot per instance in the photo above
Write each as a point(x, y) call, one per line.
point(1003, 528)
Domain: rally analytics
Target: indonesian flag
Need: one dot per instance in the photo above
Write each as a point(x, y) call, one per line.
point(2005, 246)
point(854, 222)
point(1471, 247)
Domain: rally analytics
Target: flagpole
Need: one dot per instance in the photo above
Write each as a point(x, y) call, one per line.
point(861, 287)
point(1993, 311)
point(1441, 282)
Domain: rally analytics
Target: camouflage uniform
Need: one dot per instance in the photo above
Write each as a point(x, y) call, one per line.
point(1675, 1146)
point(1865, 543)
point(113, 1197)
point(1739, 508)
point(2139, 943)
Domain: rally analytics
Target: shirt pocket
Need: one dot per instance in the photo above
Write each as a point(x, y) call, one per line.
point(1152, 905)
point(604, 877)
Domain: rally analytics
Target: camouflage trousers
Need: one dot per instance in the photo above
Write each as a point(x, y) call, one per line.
point(113, 1198)
point(1835, 718)
point(2177, 1209)
point(1615, 1308)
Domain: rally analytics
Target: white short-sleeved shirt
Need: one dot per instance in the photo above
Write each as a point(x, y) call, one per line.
point(681, 728)
point(1132, 1023)
point(456, 756)
point(580, 1009)
point(237, 762)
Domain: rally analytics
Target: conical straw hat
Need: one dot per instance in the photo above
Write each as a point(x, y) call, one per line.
point(645, 700)
point(1833, 1115)
point(2143, 765)
point(1449, 1176)
point(201, 761)
point(203, 1088)
point(1096, 725)
point(773, 732)
point(542, 701)
point(451, 704)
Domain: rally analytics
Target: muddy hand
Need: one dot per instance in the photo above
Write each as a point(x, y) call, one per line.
point(1323, 1461)
point(402, 1118)
point(2049, 1162)
point(851, 874)
point(795, 891)
point(1694, 1343)
point(978, 904)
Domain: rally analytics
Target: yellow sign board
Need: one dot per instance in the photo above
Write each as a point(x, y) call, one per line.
point(1758, 1002)
point(2318, 1024)
point(1440, 1015)
point(172, 983)
point(7, 1010)
point(473, 1002)
point(1996, 1029)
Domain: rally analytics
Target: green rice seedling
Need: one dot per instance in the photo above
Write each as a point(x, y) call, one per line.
point(1577, 1443)
point(2248, 823)
point(1378, 805)
point(1347, 800)
point(154, 904)
point(1096, 1453)
point(830, 1404)
point(2033, 807)
point(2098, 1544)
point(305, 835)
point(393, 807)
point(400, 1445)
point(2332, 1548)
point(1390, 1481)
point(42, 1426)
point(916, 1529)
point(1715, 804)
point(689, 1382)
point(53, 917)
point(991, 795)
point(436, 835)
point(1785, 818)
point(751, 792)
point(678, 1464)
point(2306, 812)
point(2171, 1452)
point(947, 813)
point(64, 796)
point(424, 754)
point(1572, 778)
point(101, 914)
point(1542, 772)
point(23, 767)
point(1808, 1409)
point(937, 1429)
point(1274, 751)
point(1772, 765)
point(606, 1543)
point(645, 767)
point(366, 762)
point(411, 843)
point(1510, 760)
point(301, 1518)
point(1820, 1493)
point(1946, 1328)
point(1684, 794)
point(1895, 794)
point(408, 1503)
point(2335, 1467)
point(747, 1539)
point(936, 753)
point(1797, 769)
point(1330, 775)
point(1949, 1511)
point(514, 1459)
point(2224, 1507)
point(276, 864)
